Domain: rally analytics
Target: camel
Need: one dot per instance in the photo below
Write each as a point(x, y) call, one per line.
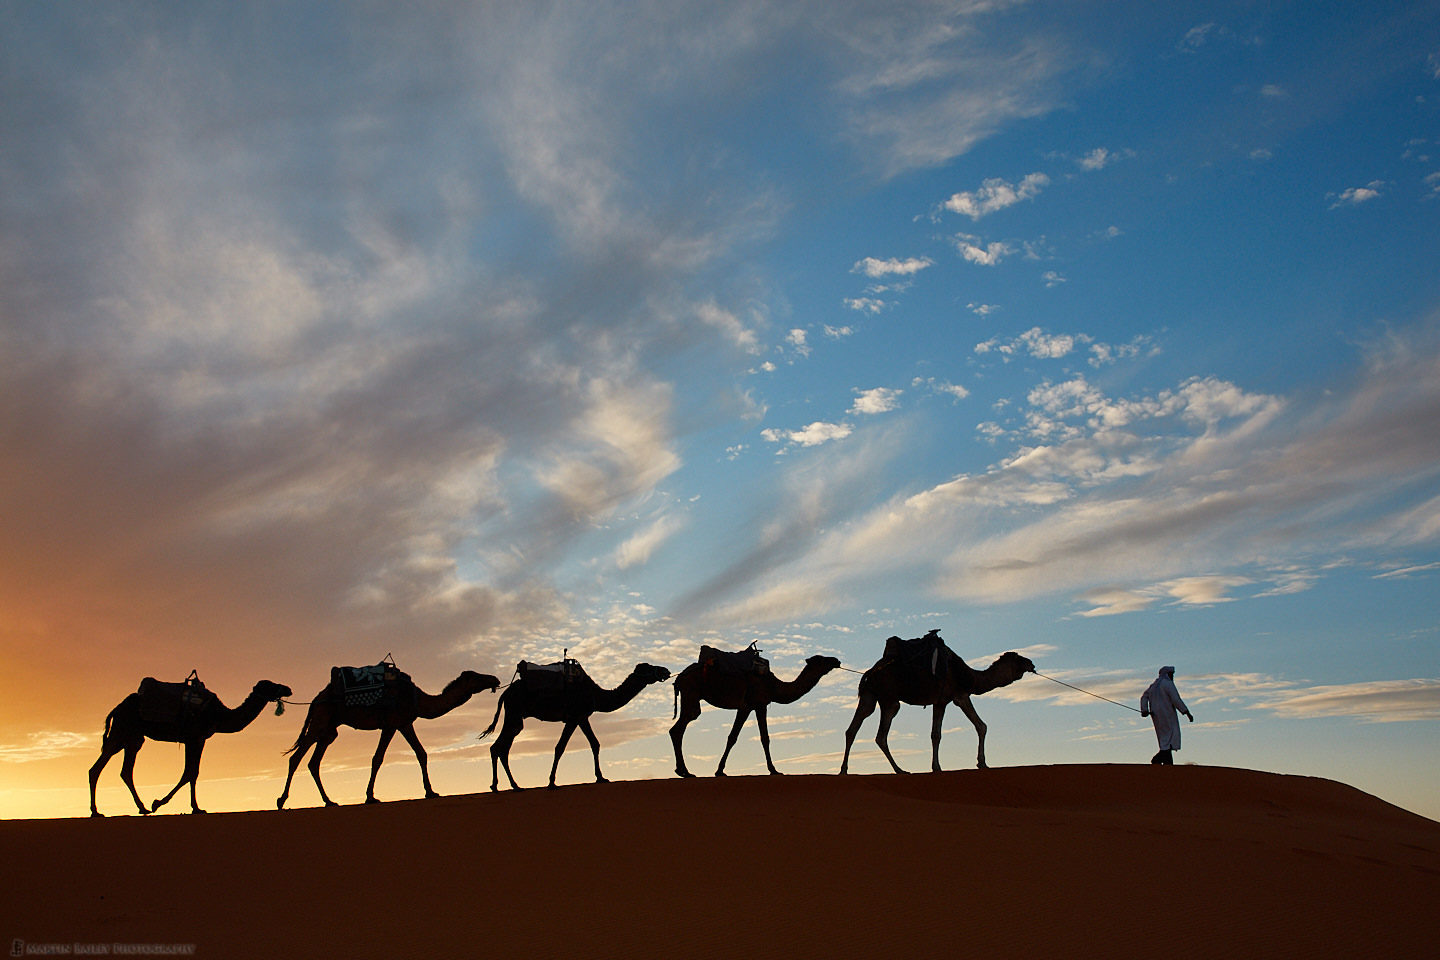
point(743, 692)
point(127, 729)
point(329, 711)
point(897, 679)
point(571, 704)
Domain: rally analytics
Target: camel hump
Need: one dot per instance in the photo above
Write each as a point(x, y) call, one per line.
point(373, 685)
point(713, 660)
point(166, 702)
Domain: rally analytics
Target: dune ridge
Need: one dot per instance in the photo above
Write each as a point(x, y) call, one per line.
point(1073, 861)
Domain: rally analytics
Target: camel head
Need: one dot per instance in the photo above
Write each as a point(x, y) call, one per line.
point(270, 692)
point(823, 663)
point(1014, 664)
point(650, 673)
point(472, 682)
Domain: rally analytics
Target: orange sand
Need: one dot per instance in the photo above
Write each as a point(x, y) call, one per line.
point(1019, 862)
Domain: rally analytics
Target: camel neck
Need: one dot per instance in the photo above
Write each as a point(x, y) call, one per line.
point(610, 700)
point(788, 691)
point(429, 706)
point(233, 721)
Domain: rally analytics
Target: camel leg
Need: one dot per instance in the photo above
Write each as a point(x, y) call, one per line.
point(689, 710)
point(765, 738)
point(863, 709)
point(560, 748)
point(968, 709)
point(500, 752)
point(386, 735)
point(297, 754)
point(108, 749)
point(594, 747)
point(321, 745)
point(193, 749)
point(408, 732)
point(741, 715)
point(937, 724)
point(882, 736)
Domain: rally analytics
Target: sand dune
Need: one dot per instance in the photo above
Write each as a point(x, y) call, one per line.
point(1065, 861)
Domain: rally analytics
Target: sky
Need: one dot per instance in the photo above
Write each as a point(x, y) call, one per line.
point(1106, 332)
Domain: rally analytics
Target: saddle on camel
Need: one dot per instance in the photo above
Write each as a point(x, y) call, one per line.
point(925, 653)
point(174, 703)
point(731, 662)
point(382, 684)
point(557, 677)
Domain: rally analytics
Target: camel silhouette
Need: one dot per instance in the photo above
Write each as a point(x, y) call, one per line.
point(329, 711)
point(745, 692)
point(127, 727)
point(938, 678)
point(570, 703)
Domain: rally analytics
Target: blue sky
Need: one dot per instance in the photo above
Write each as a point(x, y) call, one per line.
point(1105, 332)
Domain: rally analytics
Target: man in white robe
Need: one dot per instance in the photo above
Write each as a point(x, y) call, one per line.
point(1161, 703)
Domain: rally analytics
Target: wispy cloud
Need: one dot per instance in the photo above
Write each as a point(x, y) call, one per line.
point(46, 745)
point(1112, 487)
point(1377, 701)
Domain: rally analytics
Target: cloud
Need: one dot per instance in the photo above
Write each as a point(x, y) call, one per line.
point(730, 326)
point(876, 269)
point(865, 304)
point(1354, 196)
point(1097, 159)
point(637, 550)
point(811, 435)
point(45, 745)
point(1198, 36)
point(921, 85)
point(799, 341)
point(877, 400)
point(977, 251)
point(996, 194)
point(952, 390)
point(1037, 343)
point(1405, 573)
point(1375, 701)
point(1181, 496)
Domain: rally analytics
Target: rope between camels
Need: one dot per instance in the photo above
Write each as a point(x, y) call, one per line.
point(1088, 693)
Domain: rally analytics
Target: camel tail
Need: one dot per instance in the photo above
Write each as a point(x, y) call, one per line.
point(499, 705)
point(304, 729)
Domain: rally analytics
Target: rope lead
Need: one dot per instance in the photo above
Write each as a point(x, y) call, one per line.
point(1088, 693)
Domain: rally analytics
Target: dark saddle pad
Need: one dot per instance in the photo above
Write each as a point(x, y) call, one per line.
point(926, 653)
point(370, 686)
point(163, 702)
point(552, 676)
point(733, 661)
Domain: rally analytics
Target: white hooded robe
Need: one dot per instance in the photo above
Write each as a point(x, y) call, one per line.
point(1162, 701)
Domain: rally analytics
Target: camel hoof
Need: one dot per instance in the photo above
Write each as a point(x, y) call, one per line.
point(331, 803)
point(685, 774)
point(431, 795)
point(776, 773)
point(553, 786)
point(280, 803)
point(197, 810)
point(601, 780)
point(371, 800)
point(721, 773)
point(96, 813)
